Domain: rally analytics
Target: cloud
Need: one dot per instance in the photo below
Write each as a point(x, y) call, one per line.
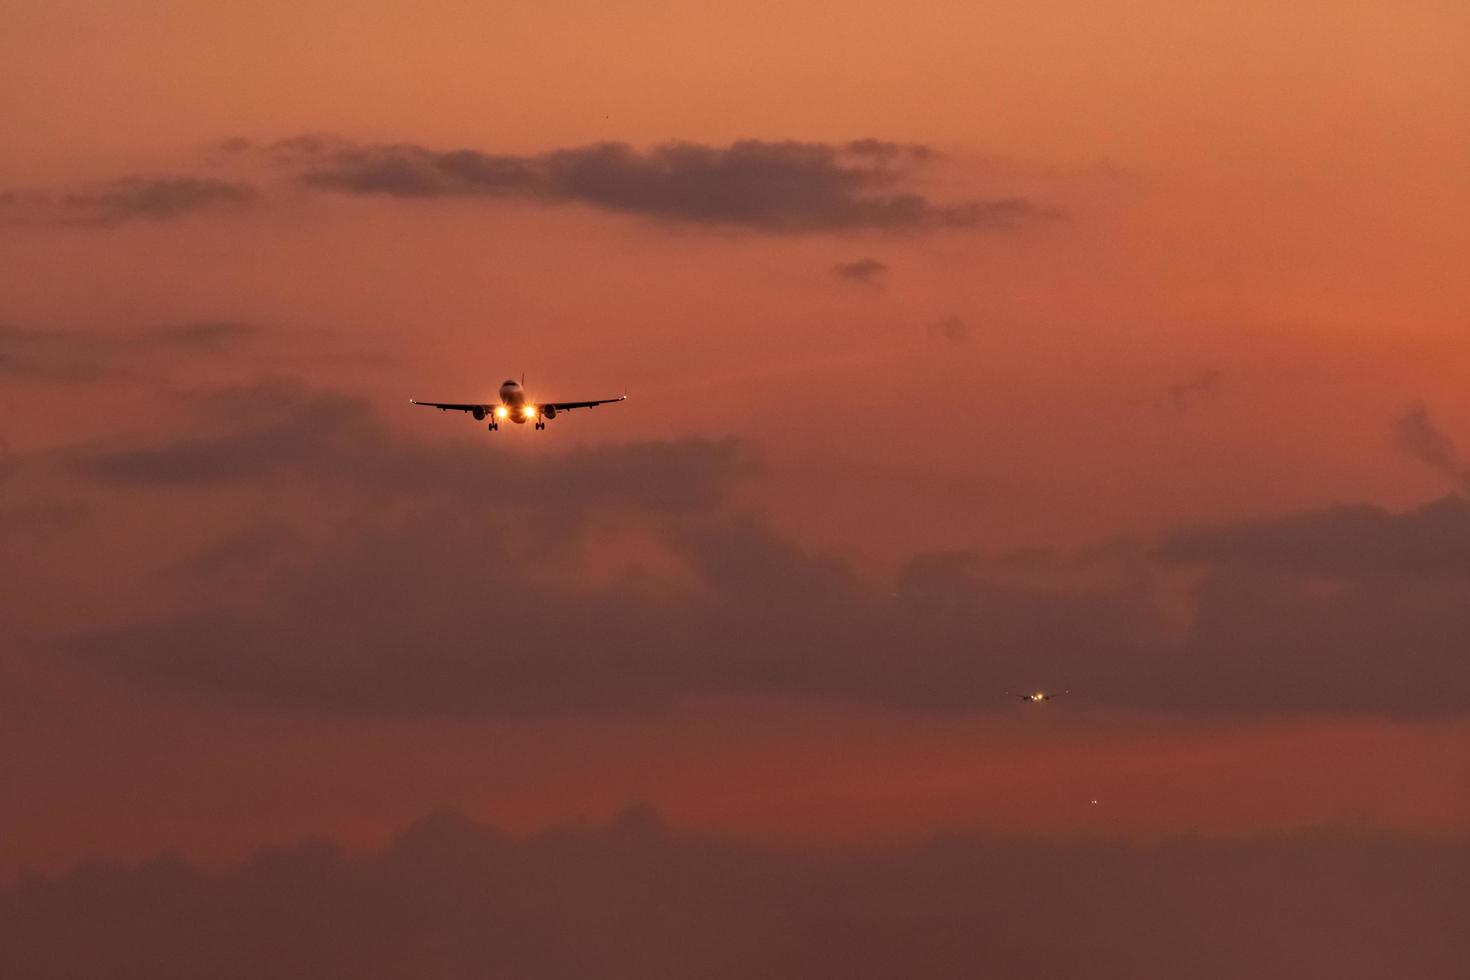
point(865, 270)
point(69, 356)
point(449, 897)
point(156, 198)
point(776, 187)
point(273, 426)
point(1416, 434)
point(39, 518)
point(1389, 646)
point(198, 335)
point(1349, 608)
point(1339, 541)
point(403, 614)
point(435, 589)
point(283, 427)
point(125, 199)
point(240, 557)
point(950, 330)
point(442, 614)
point(1186, 394)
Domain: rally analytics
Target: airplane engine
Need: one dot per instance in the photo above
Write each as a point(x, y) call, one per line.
point(549, 412)
point(479, 414)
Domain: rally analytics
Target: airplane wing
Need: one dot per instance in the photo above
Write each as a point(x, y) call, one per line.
point(451, 406)
point(568, 406)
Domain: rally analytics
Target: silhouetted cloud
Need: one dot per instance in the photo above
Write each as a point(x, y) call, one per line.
point(1349, 608)
point(429, 616)
point(1343, 540)
point(1185, 394)
point(864, 270)
point(1416, 434)
point(402, 615)
point(404, 620)
point(158, 198)
point(951, 330)
point(1386, 645)
point(449, 898)
point(767, 186)
point(402, 602)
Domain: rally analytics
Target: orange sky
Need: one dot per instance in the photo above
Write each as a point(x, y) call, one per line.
point(1268, 195)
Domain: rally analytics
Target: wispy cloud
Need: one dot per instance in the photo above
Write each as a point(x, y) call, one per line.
point(867, 270)
point(74, 356)
point(1190, 392)
point(126, 199)
point(1415, 433)
point(950, 330)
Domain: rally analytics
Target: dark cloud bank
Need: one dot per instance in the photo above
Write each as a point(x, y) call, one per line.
point(779, 187)
point(632, 899)
point(435, 591)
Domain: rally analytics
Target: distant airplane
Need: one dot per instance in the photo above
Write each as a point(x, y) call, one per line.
point(1036, 696)
point(515, 405)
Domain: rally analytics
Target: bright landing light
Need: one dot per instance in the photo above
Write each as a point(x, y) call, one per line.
point(502, 412)
point(529, 411)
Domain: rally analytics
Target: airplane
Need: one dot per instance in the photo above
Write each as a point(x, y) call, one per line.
point(1037, 696)
point(516, 406)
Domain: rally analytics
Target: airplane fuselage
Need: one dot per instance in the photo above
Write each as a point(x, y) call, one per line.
point(515, 406)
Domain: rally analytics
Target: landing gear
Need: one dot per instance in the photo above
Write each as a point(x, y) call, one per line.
point(540, 424)
point(493, 426)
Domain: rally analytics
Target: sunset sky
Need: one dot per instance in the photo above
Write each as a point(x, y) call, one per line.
point(1111, 348)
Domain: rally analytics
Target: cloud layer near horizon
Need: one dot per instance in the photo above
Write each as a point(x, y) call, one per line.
point(632, 898)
